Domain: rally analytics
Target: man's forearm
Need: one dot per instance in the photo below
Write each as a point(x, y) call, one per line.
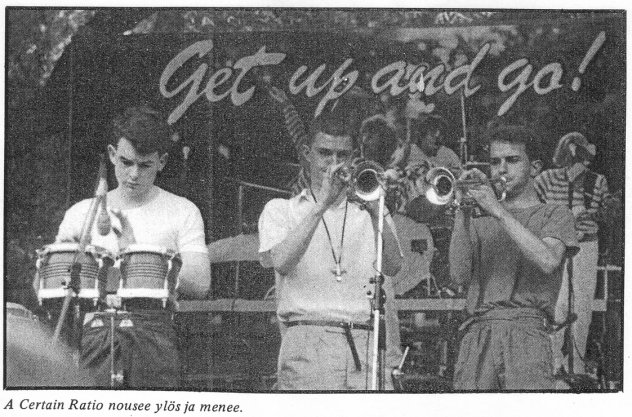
point(195, 275)
point(531, 246)
point(287, 254)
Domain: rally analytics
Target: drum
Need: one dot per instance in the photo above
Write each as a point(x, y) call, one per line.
point(148, 271)
point(418, 248)
point(53, 271)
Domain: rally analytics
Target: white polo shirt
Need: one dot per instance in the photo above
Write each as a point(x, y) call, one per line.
point(310, 291)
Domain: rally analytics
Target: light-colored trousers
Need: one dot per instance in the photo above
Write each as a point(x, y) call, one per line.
point(584, 284)
point(319, 358)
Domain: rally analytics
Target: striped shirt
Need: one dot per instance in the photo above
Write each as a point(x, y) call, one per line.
point(553, 187)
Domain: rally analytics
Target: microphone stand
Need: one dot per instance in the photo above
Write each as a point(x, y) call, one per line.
point(377, 305)
point(569, 334)
point(74, 285)
point(463, 141)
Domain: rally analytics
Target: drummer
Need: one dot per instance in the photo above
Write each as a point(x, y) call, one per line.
point(141, 213)
point(428, 136)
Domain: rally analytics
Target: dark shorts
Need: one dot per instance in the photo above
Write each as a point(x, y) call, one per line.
point(145, 350)
point(505, 349)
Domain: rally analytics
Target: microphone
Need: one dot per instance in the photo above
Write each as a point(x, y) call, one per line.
point(104, 224)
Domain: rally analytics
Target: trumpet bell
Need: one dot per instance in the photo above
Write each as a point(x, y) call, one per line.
point(367, 180)
point(441, 189)
point(368, 186)
point(442, 184)
point(435, 198)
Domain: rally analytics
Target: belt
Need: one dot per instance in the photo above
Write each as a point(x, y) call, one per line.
point(347, 326)
point(126, 317)
point(505, 314)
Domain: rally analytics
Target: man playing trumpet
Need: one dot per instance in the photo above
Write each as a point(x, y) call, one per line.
point(511, 261)
point(323, 251)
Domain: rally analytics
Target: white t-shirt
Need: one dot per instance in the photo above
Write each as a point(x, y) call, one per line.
point(168, 221)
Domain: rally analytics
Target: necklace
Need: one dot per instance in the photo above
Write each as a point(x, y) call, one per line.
point(337, 271)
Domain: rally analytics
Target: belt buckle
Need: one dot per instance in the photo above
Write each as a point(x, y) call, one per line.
point(354, 326)
point(350, 325)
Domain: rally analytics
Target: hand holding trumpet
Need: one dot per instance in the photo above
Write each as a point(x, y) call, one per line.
point(332, 185)
point(470, 189)
point(474, 184)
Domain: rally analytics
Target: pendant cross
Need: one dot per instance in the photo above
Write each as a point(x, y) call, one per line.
point(338, 272)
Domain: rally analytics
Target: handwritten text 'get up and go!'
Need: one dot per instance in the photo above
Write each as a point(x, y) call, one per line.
point(396, 78)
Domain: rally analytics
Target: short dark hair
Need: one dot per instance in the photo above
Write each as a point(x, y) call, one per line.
point(334, 124)
point(145, 128)
point(422, 126)
point(516, 134)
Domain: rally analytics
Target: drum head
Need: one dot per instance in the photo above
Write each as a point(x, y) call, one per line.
point(145, 248)
point(61, 247)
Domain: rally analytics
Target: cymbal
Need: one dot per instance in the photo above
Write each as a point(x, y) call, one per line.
point(243, 247)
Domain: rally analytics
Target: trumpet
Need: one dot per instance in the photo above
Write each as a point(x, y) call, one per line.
point(442, 185)
point(366, 178)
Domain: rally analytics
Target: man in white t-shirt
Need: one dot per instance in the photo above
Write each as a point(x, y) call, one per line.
point(145, 341)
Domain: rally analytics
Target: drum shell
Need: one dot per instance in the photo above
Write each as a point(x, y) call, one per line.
point(148, 272)
point(53, 270)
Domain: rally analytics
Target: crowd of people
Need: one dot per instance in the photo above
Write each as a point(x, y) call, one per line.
point(515, 261)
